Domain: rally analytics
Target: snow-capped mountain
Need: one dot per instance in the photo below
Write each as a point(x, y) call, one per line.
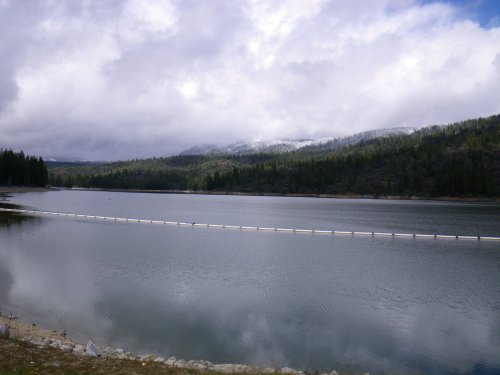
point(246, 147)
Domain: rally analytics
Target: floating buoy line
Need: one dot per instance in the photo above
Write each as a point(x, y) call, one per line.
point(241, 227)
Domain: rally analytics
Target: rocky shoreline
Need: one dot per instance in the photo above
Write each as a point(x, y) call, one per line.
point(42, 338)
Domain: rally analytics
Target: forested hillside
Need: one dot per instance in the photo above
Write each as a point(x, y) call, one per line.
point(457, 160)
point(17, 169)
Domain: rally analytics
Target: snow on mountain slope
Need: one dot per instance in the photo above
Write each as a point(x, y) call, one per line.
point(246, 147)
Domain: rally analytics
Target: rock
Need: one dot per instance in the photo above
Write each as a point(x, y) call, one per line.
point(288, 370)
point(334, 373)
point(159, 359)
point(114, 353)
point(107, 351)
point(4, 331)
point(170, 361)
point(268, 370)
point(79, 350)
point(180, 363)
point(92, 349)
point(198, 366)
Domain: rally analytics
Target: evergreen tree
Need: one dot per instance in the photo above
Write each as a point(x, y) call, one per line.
point(18, 169)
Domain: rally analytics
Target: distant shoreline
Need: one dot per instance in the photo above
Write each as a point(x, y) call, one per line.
point(303, 195)
point(26, 189)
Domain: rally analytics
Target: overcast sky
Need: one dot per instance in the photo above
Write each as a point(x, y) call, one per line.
point(103, 80)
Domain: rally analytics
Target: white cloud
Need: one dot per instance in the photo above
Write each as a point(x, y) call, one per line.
point(120, 80)
point(143, 19)
point(157, 15)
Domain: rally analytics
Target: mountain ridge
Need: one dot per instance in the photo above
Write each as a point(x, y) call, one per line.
point(249, 146)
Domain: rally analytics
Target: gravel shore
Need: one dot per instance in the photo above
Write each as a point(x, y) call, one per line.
point(42, 338)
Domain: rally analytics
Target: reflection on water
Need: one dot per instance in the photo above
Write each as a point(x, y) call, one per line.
point(388, 305)
point(8, 219)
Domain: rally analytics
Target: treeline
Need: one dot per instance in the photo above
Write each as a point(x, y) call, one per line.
point(125, 179)
point(179, 172)
point(458, 160)
point(18, 169)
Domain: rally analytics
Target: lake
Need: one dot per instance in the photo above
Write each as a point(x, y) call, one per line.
point(306, 301)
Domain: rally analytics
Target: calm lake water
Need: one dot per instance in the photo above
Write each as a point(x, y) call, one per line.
point(262, 298)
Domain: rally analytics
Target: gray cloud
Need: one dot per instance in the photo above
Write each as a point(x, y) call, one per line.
point(113, 79)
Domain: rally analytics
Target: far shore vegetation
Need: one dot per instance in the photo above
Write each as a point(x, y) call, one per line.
point(460, 160)
point(457, 160)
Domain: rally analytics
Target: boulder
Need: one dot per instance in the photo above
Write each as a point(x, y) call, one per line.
point(170, 361)
point(92, 349)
